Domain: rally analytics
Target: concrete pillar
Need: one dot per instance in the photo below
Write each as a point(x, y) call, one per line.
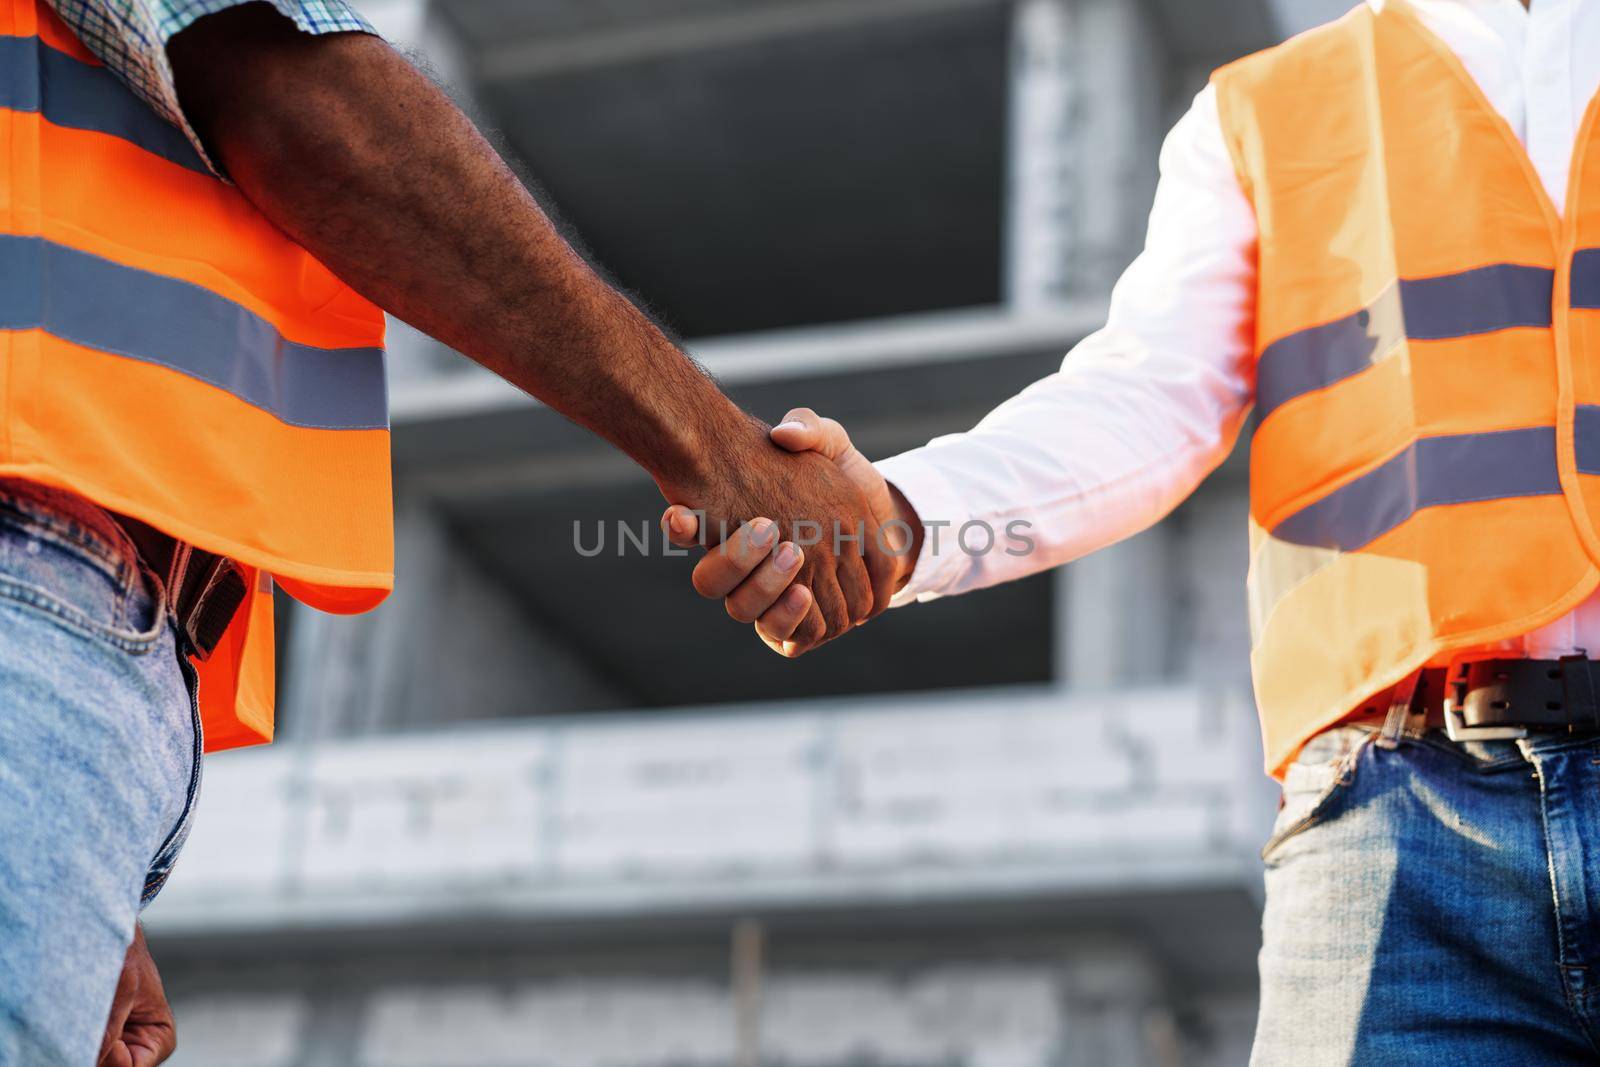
point(1040, 178)
point(1115, 612)
point(1087, 88)
point(1087, 84)
point(1122, 74)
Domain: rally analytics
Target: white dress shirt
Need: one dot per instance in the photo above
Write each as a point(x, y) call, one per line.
point(1143, 410)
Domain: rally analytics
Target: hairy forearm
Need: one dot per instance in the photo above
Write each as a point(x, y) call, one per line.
point(348, 149)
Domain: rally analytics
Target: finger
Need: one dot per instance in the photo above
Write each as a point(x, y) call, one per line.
point(731, 562)
point(121, 1004)
point(813, 629)
point(153, 1046)
point(881, 564)
point(762, 589)
point(681, 525)
point(856, 586)
point(854, 583)
point(779, 622)
point(831, 602)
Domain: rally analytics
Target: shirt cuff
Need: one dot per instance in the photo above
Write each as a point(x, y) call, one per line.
point(942, 512)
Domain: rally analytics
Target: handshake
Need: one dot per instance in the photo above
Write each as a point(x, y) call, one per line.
point(839, 546)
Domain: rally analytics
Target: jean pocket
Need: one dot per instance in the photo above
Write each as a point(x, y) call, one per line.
point(1313, 783)
point(117, 602)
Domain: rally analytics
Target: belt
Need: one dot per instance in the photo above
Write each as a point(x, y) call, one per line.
point(204, 590)
point(1500, 699)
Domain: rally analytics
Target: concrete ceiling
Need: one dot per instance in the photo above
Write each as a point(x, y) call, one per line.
point(770, 163)
point(836, 173)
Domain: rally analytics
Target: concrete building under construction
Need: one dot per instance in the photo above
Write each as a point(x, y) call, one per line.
point(546, 808)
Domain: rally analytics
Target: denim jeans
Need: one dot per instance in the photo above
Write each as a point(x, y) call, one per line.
point(1433, 903)
point(99, 767)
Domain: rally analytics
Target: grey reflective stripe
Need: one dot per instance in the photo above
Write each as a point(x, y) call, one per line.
point(36, 77)
point(1586, 433)
point(155, 319)
point(1322, 355)
point(1586, 278)
point(1477, 301)
point(1473, 302)
point(1435, 470)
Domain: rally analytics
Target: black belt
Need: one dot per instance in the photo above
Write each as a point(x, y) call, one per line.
point(204, 590)
point(1504, 699)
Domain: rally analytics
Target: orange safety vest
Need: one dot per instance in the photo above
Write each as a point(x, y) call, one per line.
point(168, 353)
point(1425, 475)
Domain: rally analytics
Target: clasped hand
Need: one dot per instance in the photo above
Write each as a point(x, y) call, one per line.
point(797, 590)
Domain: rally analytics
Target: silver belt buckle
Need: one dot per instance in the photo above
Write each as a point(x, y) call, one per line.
point(1455, 721)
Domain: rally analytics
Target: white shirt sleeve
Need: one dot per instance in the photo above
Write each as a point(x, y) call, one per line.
point(1139, 413)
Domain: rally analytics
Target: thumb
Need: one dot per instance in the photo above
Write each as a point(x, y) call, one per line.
point(681, 525)
point(803, 430)
point(112, 1050)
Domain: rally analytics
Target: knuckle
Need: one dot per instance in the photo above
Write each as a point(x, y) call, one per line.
point(771, 580)
point(781, 622)
point(748, 548)
point(738, 611)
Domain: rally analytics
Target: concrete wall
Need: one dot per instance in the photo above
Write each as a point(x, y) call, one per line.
point(1083, 1002)
point(900, 801)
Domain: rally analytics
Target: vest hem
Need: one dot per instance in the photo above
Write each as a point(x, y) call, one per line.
point(1278, 757)
point(380, 583)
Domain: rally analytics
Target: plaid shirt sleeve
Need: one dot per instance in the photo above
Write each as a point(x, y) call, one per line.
point(130, 38)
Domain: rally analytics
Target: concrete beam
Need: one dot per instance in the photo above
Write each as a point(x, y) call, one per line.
point(641, 39)
point(913, 340)
point(893, 801)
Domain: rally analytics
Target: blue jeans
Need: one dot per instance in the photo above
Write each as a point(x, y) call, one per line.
point(99, 767)
point(1433, 903)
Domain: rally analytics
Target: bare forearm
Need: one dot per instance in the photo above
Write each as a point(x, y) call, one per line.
point(354, 154)
point(350, 151)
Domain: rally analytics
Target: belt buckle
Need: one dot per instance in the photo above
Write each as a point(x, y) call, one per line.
point(1459, 693)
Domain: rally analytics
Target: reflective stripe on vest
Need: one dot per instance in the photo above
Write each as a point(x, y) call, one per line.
point(1586, 279)
point(1425, 471)
point(1457, 305)
point(176, 358)
point(72, 93)
point(104, 305)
